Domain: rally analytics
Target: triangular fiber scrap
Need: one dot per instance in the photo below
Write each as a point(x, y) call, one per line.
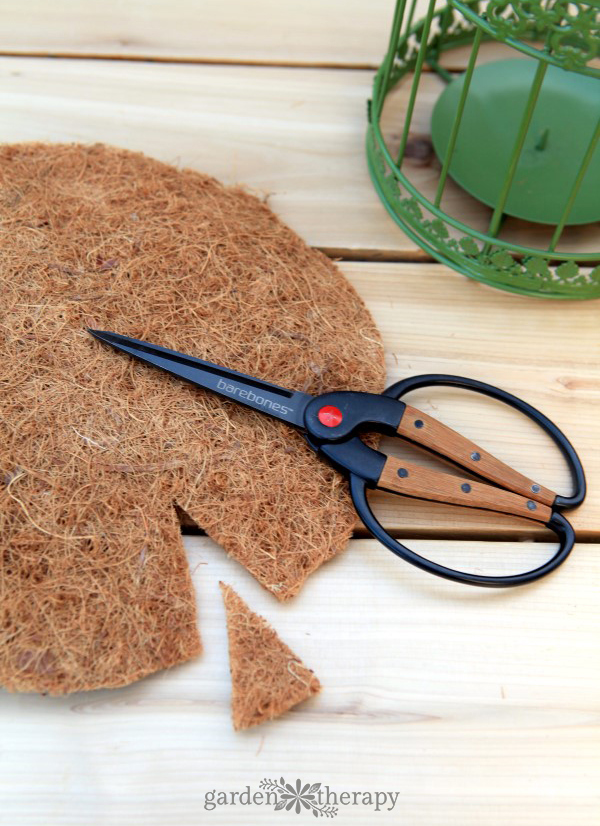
point(267, 678)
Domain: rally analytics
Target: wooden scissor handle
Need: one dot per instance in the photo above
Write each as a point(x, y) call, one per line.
point(428, 432)
point(443, 440)
point(410, 479)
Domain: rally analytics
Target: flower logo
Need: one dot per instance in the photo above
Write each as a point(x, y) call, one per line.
point(291, 797)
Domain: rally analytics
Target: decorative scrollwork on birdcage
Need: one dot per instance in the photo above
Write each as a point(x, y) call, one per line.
point(572, 30)
point(553, 32)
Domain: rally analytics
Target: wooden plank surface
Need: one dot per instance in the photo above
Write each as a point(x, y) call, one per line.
point(479, 707)
point(295, 136)
point(434, 320)
point(338, 32)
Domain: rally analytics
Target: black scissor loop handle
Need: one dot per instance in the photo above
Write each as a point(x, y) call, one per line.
point(364, 467)
point(401, 388)
point(558, 524)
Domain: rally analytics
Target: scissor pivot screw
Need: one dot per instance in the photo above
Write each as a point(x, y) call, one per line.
point(330, 416)
point(466, 488)
point(402, 472)
point(531, 505)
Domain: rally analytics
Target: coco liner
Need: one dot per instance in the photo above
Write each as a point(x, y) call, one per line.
point(94, 450)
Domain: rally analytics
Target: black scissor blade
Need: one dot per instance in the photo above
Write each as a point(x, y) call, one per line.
point(287, 405)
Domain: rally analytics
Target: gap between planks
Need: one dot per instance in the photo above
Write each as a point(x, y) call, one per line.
point(200, 61)
point(213, 61)
point(374, 256)
point(584, 537)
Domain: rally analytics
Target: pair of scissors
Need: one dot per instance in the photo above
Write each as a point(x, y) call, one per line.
point(331, 422)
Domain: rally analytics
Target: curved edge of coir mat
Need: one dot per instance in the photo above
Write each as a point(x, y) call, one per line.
point(95, 448)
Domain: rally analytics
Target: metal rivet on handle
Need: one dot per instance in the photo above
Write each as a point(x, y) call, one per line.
point(475, 456)
point(418, 423)
point(402, 472)
point(531, 505)
point(535, 488)
point(466, 488)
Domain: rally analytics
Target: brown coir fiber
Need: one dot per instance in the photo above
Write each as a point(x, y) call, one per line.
point(267, 678)
point(95, 448)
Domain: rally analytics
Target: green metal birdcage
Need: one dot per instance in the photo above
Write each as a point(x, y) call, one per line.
point(516, 140)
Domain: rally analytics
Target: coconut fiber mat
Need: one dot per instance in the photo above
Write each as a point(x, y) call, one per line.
point(267, 678)
point(95, 448)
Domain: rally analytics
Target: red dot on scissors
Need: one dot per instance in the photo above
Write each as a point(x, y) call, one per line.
point(330, 416)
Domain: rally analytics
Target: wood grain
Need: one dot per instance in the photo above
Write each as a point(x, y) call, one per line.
point(479, 707)
point(338, 32)
point(413, 480)
point(311, 31)
point(428, 432)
